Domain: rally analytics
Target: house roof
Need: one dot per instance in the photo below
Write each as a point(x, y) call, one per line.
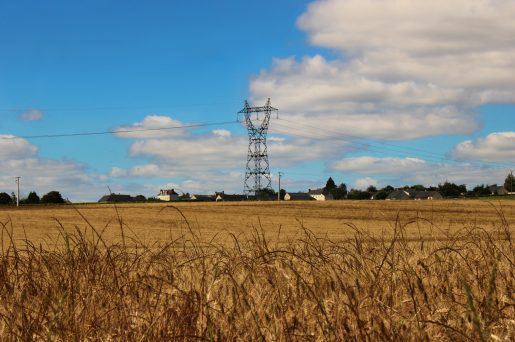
point(399, 195)
point(116, 198)
point(205, 198)
point(300, 196)
point(316, 191)
point(168, 192)
point(427, 194)
point(497, 190)
point(235, 197)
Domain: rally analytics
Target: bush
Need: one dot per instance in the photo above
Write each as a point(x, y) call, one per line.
point(5, 198)
point(355, 194)
point(32, 198)
point(52, 197)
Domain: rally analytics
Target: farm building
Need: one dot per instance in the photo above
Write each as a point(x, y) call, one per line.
point(497, 190)
point(400, 195)
point(406, 194)
point(223, 197)
point(298, 196)
point(202, 198)
point(428, 195)
point(115, 198)
point(320, 195)
point(168, 195)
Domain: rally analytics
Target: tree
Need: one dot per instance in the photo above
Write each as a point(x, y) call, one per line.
point(418, 187)
point(358, 195)
point(381, 194)
point(330, 185)
point(340, 192)
point(372, 189)
point(185, 196)
point(384, 192)
point(13, 198)
point(266, 194)
point(388, 188)
point(52, 197)
point(32, 198)
point(140, 198)
point(481, 190)
point(5, 198)
point(509, 183)
point(451, 190)
point(282, 193)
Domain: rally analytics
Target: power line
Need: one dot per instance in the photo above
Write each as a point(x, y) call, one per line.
point(79, 134)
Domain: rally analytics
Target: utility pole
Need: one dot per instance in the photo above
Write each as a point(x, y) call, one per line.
point(18, 191)
point(279, 192)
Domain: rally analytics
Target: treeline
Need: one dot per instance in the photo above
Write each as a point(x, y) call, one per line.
point(52, 197)
point(447, 190)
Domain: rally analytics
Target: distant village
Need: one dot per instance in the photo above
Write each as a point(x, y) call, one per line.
point(331, 191)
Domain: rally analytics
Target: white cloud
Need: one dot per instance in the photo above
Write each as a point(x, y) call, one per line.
point(222, 133)
point(118, 172)
point(152, 126)
point(364, 183)
point(12, 147)
point(380, 166)
point(222, 150)
point(216, 160)
point(402, 171)
point(406, 69)
point(146, 170)
point(496, 147)
point(43, 175)
point(32, 115)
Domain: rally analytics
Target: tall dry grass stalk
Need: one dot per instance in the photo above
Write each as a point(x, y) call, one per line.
point(458, 288)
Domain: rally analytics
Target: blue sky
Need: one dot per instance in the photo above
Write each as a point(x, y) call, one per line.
point(429, 93)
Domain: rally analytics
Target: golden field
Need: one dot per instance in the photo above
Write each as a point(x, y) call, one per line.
point(159, 221)
point(265, 271)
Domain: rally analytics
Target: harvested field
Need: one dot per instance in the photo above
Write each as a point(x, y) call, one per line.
point(334, 271)
point(158, 222)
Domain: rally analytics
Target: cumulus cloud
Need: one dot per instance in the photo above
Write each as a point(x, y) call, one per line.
point(222, 133)
point(190, 153)
point(364, 183)
point(12, 147)
point(379, 166)
point(32, 115)
point(405, 69)
point(401, 171)
point(215, 160)
point(495, 147)
point(72, 179)
point(118, 172)
point(152, 126)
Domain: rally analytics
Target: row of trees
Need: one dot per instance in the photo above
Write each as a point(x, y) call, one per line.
point(447, 189)
point(53, 197)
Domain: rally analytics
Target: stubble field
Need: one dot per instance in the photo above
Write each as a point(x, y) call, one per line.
point(283, 221)
point(314, 271)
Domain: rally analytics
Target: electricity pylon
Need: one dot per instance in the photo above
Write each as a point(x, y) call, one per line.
point(257, 174)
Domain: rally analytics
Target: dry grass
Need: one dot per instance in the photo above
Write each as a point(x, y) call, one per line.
point(265, 285)
point(151, 223)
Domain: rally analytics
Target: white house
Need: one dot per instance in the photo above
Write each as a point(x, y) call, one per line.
point(319, 195)
point(168, 195)
point(298, 196)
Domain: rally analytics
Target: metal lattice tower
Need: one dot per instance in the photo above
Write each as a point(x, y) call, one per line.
point(257, 175)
